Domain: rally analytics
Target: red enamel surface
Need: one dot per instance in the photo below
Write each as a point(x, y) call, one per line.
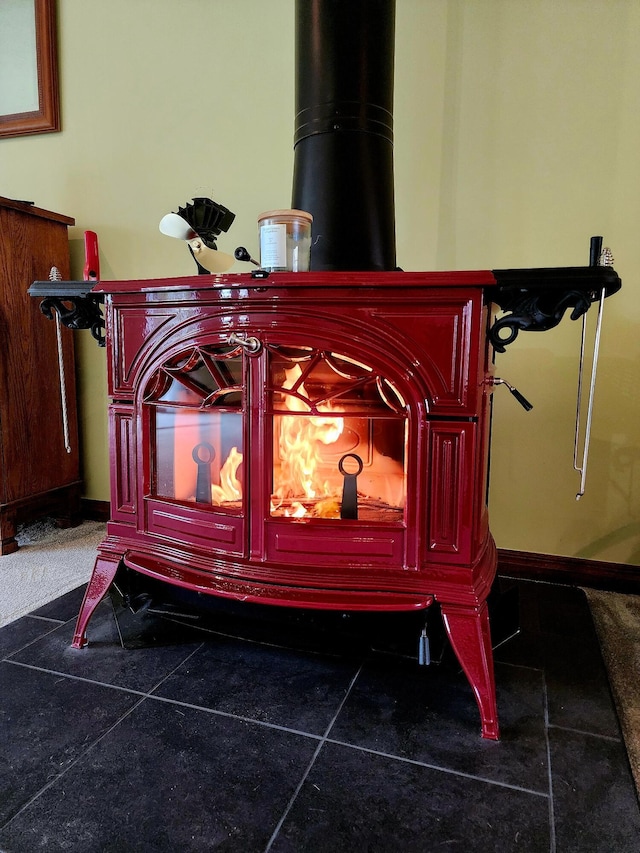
point(426, 334)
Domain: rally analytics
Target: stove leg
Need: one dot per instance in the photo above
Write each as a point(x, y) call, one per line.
point(468, 630)
point(103, 573)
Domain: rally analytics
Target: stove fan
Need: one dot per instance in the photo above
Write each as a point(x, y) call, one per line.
point(199, 223)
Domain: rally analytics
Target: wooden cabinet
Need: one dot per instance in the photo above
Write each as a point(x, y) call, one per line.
point(39, 457)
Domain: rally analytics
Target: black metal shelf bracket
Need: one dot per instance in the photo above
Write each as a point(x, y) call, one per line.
point(535, 300)
point(75, 304)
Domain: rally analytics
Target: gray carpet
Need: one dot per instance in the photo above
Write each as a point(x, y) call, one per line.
point(617, 621)
point(49, 562)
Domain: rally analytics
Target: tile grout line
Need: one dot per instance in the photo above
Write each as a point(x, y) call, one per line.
point(76, 677)
point(228, 715)
point(306, 773)
point(45, 618)
point(609, 738)
point(64, 772)
point(552, 817)
point(288, 729)
point(93, 744)
point(439, 768)
point(55, 626)
point(165, 699)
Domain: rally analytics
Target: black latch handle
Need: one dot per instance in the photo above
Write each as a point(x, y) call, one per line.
point(526, 405)
point(349, 505)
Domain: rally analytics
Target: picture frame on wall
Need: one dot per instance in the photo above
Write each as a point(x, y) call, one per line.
point(29, 89)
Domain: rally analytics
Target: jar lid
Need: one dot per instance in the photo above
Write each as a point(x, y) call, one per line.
point(291, 214)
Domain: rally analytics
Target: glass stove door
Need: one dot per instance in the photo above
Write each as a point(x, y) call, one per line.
point(195, 412)
point(198, 456)
point(339, 438)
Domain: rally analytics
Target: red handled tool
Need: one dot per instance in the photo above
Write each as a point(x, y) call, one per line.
point(91, 256)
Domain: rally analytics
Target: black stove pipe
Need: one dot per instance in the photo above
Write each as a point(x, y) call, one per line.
point(343, 142)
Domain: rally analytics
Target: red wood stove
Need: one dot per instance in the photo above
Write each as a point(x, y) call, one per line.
point(310, 440)
point(318, 439)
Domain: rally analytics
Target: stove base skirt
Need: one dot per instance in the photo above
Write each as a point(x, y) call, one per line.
point(464, 607)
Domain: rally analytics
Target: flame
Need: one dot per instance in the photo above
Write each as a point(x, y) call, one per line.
point(299, 443)
point(230, 488)
point(296, 474)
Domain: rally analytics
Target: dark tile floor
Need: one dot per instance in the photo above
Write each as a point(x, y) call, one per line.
point(307, 734)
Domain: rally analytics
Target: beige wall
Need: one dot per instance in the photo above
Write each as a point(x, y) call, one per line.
point(517, 131)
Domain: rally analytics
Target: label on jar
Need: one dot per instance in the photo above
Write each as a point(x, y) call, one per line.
point(273, 246)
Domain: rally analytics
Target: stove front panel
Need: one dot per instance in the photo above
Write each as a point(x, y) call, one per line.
point(318, 459)
point(345, 450)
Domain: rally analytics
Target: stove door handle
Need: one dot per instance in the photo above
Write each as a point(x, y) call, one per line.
point(251, 345)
